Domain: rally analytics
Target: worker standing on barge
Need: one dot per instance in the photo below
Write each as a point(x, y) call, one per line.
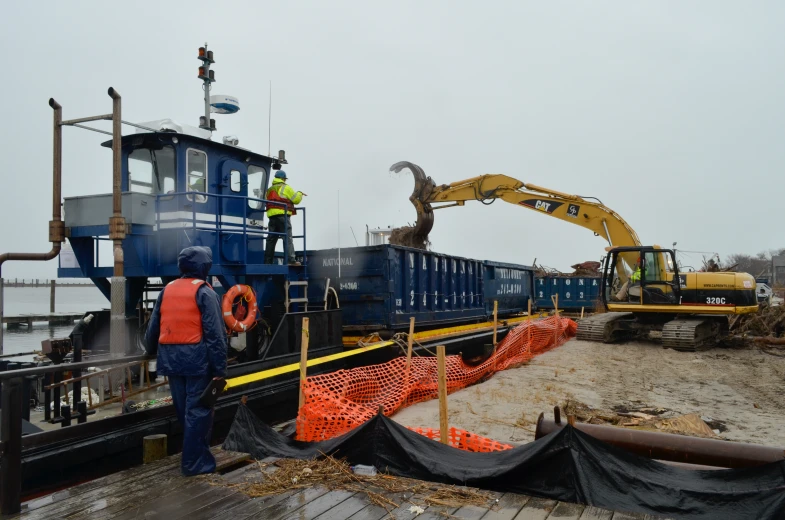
point(279, 218)
point(187, 333)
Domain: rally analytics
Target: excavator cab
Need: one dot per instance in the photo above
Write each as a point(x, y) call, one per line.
point(652, 277)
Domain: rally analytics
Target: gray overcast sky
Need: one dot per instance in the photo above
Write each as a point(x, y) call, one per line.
point(672, 112)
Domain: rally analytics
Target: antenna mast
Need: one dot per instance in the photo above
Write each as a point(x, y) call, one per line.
point(269, 118)
point(208, 78)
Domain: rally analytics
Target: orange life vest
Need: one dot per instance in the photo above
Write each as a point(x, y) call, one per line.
point(274, 196)
point(181, 320)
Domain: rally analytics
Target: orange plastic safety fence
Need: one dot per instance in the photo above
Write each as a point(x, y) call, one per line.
point(464, 440)
point(339, 401)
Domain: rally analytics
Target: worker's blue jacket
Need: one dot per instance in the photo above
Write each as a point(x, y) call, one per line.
point(208, 357)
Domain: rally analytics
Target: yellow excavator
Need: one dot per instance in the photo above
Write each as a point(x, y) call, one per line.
point(642, 289)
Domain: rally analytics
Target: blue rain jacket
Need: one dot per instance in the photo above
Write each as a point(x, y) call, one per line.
point(208, 357)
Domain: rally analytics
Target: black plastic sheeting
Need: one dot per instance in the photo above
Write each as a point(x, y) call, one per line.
point(566, 465)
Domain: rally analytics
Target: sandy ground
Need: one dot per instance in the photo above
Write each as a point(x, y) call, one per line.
point(742, 388)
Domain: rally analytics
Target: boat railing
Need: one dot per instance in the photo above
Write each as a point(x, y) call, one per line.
point(15, 385)
point(194, 210)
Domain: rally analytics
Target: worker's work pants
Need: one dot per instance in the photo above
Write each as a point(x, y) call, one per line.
point(279, 224)
point(197, 422)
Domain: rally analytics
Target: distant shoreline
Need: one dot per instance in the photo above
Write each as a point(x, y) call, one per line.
point(44, 283)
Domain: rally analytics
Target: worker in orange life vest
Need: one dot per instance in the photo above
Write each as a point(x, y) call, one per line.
point(187, 332)
point(278, 216)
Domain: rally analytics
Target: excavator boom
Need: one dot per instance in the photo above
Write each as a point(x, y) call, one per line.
point(585, 212)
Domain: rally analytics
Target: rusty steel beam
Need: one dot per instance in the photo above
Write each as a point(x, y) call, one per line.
point(671, 447)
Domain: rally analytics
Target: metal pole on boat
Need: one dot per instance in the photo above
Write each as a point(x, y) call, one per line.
point(56, 225)
point(2, 291)
point(117, 326)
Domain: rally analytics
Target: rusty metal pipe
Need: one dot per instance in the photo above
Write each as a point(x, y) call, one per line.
point(56, 226)
point(117, 222)
point(672, 447)
point(104, 117)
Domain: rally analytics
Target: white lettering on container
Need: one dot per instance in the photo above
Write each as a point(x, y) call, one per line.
point(509, 274)
point(509, 288)
point(333, 262)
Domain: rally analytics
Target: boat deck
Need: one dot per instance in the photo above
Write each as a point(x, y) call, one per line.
point(158, 491)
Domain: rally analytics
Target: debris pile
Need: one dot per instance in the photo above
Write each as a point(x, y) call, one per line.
point(588, 268)
point(405, 236)
point(768, 321)
point(286, 474)
point(642, 417)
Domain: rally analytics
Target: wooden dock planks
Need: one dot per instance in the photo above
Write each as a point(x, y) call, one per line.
point(159, 491)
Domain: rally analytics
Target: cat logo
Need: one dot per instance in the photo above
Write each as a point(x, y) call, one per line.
point(545, 206)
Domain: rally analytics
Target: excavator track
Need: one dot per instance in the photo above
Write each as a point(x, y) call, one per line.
point(601, 327)
point(692, 334)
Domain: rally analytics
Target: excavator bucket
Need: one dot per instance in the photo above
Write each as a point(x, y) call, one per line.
point(423, 187)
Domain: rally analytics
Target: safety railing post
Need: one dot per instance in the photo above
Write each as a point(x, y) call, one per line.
point(157, 232)
point(11, 439)
point(218, 227)
point(245, 235)
point(305, 248)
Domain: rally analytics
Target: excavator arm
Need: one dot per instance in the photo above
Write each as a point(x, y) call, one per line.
point(585, 212)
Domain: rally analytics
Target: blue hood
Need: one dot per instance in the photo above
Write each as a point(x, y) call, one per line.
point(195, 262)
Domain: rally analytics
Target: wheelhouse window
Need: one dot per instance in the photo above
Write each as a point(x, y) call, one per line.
point(152, 171)
point(235, 182)
point(196, 166)
point(257, 180)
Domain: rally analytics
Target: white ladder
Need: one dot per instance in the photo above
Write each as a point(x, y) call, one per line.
point(288, 301)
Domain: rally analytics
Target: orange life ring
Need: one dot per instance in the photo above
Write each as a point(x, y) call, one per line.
point(245, 292)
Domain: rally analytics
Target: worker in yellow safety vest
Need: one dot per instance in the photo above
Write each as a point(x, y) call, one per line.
point(278, 216)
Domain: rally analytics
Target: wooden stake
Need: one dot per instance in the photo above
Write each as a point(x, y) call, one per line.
point(495, 322)
point(529, 327)
point(303, 361)
point(581, 312)
point(411, 342)
point(555, 299)
point(443, 427)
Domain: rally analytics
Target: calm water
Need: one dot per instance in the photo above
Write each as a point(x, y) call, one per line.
point(32, 300)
